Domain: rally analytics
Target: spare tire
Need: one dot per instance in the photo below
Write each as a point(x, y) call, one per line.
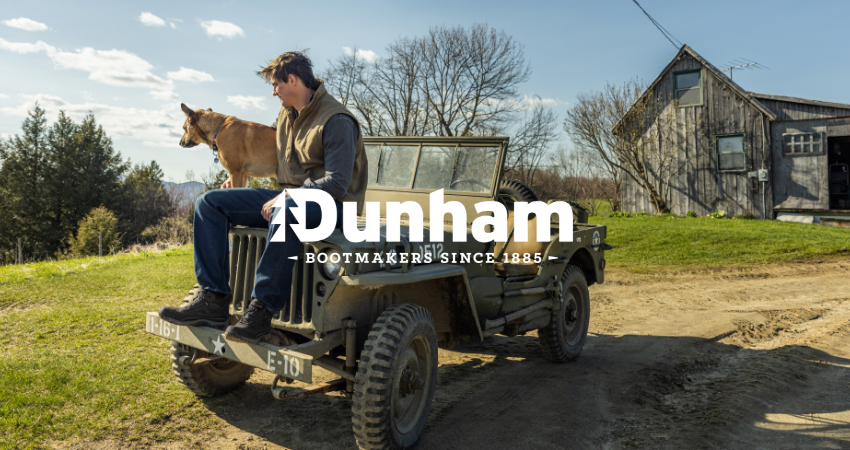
point(513, 191)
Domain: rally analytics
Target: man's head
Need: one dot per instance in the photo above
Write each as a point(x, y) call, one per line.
point(291, 76)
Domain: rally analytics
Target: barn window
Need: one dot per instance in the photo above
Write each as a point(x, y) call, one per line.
point(802, 143)
point(688, 87)
point(731, 156)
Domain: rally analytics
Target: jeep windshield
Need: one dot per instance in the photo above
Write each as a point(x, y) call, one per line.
point(457, 165)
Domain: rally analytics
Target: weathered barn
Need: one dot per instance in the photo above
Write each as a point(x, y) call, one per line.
point(804, 146)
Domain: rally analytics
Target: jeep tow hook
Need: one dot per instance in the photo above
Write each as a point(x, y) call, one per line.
point(287, 393)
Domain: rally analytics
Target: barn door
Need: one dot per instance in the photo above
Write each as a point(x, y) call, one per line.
point(838, 163)
point(799, 164)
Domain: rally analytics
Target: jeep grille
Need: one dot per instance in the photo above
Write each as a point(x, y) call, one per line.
point(247, 247)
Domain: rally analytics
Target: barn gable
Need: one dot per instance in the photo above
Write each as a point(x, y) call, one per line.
point(726, 110)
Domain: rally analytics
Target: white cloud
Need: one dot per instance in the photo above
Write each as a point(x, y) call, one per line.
point(245, 102)
point(224, 29)
point(4, 96)
point(194, 76)
point(151, 20)
point(164, 95)
point(25, 47)
point(113, 67)
point(531, 102)
point(159, 128)
point(6, 136)
point(366, 55)
point(25, 24)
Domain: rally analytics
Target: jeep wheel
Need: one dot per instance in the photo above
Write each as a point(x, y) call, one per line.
point(396, 378)
point(206, 377)
point(564, 337)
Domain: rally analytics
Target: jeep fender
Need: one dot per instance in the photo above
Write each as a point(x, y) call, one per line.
point(442, 289)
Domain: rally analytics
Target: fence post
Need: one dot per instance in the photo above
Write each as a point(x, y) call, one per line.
point(100, 243)
point(20, 252)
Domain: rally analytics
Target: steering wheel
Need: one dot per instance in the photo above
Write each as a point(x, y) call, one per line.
point(470, 180)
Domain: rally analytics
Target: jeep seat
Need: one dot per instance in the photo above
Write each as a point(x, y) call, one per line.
point(504, 269)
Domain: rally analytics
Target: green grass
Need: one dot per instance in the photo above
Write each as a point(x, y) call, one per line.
point(645, 242)
point(74, 359)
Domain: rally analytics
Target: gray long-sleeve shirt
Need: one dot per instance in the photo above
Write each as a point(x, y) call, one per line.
point(339, 139)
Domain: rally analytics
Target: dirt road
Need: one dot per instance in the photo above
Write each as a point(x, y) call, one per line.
point(739, 359)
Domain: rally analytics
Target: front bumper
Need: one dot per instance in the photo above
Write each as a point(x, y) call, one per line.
point(279, 360)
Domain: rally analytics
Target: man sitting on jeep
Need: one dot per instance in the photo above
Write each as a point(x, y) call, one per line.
point(319, 146)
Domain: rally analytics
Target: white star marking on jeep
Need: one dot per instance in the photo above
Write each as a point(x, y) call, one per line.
point(219, 346)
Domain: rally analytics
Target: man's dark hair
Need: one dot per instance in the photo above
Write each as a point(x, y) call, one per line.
point(295, 63)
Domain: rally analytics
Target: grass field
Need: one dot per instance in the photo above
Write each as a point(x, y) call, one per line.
point(651, 242)
point(75, 363)
point(74, 359)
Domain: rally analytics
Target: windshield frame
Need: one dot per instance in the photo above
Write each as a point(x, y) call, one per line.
point(499, 142)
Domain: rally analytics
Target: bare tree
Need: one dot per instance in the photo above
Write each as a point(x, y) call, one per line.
point(590, 124)
point(451, 82)
point(580, 180)
point(472, 78)
point(629, 131)
point(348, 79)
point(529, 145)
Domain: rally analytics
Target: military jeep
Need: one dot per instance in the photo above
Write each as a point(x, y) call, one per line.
point(376, 321)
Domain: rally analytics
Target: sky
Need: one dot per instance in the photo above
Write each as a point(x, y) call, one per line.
point(133, 63)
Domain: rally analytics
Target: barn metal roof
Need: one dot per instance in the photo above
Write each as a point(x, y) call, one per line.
point(783, 98)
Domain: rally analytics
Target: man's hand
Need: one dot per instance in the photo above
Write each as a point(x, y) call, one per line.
point(227, 184)
point(267, 208)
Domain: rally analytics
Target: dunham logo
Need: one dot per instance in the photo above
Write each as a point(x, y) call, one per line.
point(498, 219)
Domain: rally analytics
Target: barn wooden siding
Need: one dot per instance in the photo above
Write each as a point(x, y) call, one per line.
point(801, 181)
point(699, 187)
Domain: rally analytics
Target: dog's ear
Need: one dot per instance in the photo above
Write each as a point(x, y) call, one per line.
point(187, 110)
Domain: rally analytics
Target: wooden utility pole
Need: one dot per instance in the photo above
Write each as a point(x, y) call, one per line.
point(20, 252)
point(100, 243)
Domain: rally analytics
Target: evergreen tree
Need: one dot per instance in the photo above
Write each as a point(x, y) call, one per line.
point(98, 167)
point(98, 230)
point(144, 200)
point(50, 178)
point(23, 185)
point(61, 174)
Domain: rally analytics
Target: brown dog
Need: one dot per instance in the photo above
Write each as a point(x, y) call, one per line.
point(244, 148)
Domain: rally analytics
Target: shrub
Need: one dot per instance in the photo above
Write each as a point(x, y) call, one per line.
point(98, 220)
point(692, 214)
point(746, 216)
point(717, 214)
point(175, 230)
point(622, 215)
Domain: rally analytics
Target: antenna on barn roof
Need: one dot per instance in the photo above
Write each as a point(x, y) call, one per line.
point(742, 63)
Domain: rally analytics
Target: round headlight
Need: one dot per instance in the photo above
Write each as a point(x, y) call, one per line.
point(329, 263)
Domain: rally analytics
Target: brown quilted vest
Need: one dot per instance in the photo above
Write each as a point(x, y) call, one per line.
point(300, 152)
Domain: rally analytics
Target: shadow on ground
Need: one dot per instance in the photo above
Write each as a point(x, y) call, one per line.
point(623, 392)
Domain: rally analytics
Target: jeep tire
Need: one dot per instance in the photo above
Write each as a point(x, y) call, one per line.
point(564, 337)
point(513, 191)
point(396, 379)
point(206, 377)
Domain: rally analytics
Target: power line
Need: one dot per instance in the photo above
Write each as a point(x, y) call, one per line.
point(663, 31)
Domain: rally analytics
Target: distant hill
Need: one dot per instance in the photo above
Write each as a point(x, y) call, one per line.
point(189, 190)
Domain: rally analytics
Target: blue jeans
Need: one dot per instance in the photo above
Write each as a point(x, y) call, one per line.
point(217, 210)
